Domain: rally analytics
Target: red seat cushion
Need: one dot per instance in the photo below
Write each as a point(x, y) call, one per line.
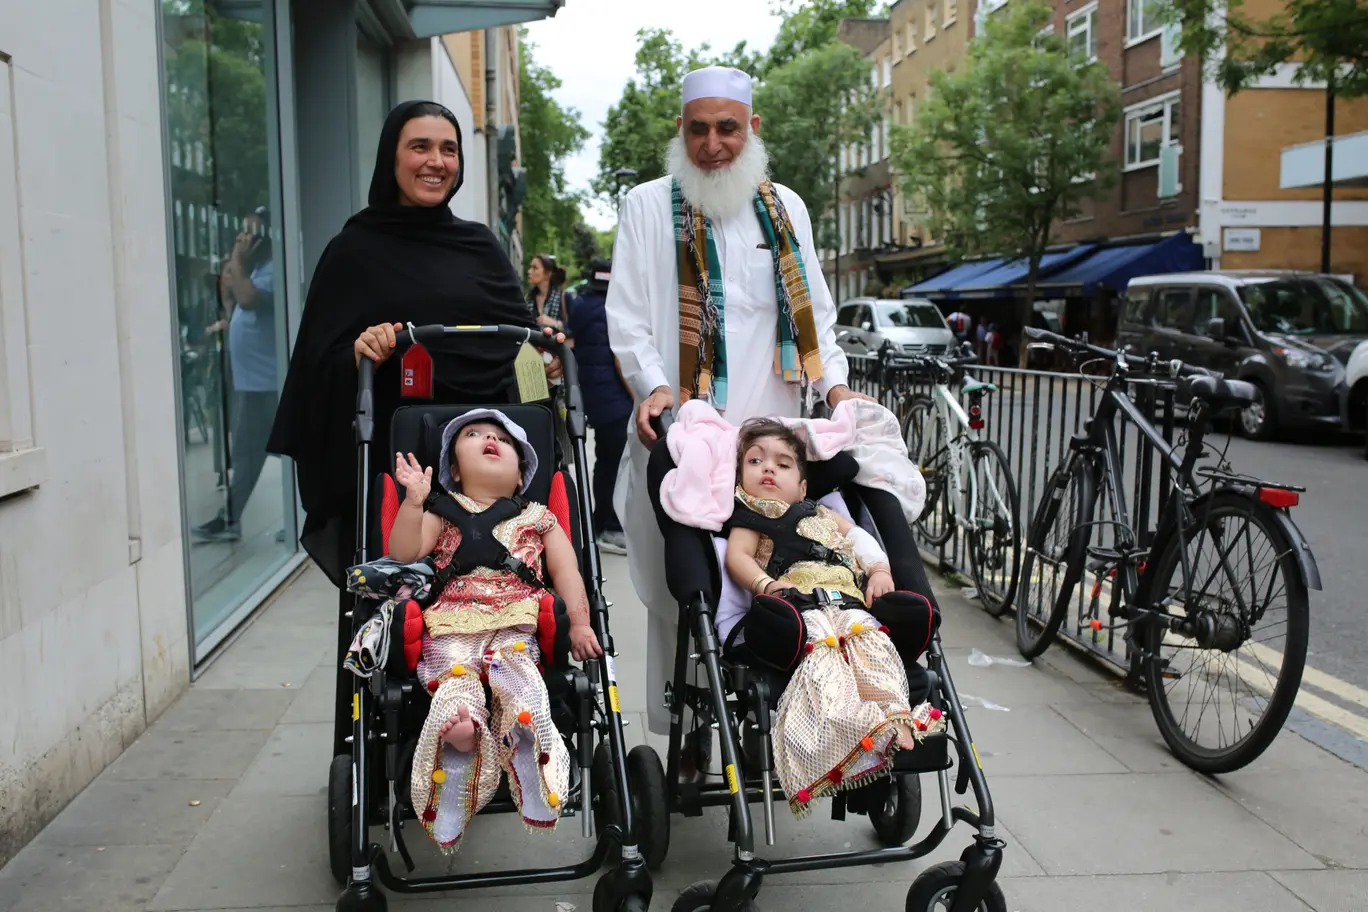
point(552, 637)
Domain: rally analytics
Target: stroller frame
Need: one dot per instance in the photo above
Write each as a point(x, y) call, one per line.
point(624, 888)
point(735, 696)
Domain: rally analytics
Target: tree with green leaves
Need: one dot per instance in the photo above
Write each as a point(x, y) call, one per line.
point(638, 128)
point(809, 108)
point(1012, 143)
point(810, 25)
point(549, 134)
point(1326, 39)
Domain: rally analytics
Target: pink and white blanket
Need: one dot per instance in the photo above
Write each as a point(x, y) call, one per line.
point(699, 491)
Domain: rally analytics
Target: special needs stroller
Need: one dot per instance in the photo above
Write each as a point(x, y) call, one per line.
point(370, 785)
point(740, 702)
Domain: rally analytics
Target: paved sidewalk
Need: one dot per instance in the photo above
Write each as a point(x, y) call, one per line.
point(220, 805)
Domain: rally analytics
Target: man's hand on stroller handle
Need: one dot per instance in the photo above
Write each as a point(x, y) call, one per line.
point(416, 480)
point(661, 398)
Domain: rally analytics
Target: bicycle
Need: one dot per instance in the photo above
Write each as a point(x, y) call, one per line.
point(1161, 596)
point(969, 483)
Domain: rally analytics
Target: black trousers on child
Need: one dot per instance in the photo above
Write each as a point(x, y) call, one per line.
point(772, 633)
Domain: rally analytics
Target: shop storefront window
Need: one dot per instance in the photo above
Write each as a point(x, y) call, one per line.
point(229, 288)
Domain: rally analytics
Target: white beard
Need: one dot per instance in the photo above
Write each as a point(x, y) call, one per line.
point(726, 191)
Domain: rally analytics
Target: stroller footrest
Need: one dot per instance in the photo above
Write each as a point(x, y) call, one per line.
point(930, 756)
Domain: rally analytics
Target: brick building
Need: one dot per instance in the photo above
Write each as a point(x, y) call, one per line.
point(1262, 168)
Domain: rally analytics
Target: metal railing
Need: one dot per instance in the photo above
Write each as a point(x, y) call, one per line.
point(1032, 416)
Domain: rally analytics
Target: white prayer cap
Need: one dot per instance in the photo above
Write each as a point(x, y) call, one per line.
point(717, 82)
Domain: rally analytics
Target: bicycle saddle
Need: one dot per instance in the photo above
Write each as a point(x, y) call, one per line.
point(1221, 393)
point(977, 386)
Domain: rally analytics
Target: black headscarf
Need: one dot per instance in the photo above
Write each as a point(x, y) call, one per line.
point(390, 263)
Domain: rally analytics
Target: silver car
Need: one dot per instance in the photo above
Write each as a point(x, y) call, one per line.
point(910, 326)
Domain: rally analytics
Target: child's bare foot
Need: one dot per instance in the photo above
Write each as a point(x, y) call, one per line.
point(459, 730)
point(905, 739)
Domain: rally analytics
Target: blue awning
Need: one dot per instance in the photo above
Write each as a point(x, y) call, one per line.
point(951, 278)
point(999, 282)
point(1112, 268)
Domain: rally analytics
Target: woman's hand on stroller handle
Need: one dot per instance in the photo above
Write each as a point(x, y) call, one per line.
point(584, 644)
point(416, 480)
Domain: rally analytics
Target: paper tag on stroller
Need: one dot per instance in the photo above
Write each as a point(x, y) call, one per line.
point(530, 370)
point(416, 371)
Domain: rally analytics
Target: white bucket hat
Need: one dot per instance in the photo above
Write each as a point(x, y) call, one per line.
point(496, 417)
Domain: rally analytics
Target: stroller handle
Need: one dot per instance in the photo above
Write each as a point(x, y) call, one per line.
point(661, 423)
point(365, 372)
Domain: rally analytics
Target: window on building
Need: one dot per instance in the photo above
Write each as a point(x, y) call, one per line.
point(886, 138)
point(897, 45)
point(874, 76)
point(929, 29)
point(911, 36)
point(950, 11)
point(887, 72)
point(1149, 127)
point(1144, 19)
point(1081, 34)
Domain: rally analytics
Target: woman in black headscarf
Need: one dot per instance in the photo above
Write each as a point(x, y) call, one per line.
point(404, 258)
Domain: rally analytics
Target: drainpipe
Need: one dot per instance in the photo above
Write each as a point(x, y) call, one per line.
point(491, 55)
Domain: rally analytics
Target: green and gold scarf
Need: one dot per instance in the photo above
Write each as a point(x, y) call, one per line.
point(702, 302)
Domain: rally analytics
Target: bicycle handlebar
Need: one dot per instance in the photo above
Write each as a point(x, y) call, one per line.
point(1182, 367)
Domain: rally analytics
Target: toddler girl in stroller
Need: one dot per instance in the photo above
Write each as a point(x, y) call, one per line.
point(845, 643)
point(481, 626)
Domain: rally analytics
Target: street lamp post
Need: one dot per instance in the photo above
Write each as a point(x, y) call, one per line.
point(621, 176)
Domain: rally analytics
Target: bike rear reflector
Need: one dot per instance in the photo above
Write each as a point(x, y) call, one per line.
point(1278, 498)
point(975, 418)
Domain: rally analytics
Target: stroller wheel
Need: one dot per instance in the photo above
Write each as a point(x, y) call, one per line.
point(339, 818)
point(699, 898)
point(895, 818)
point(650, 811)
point(934, 890)
point(604, 900)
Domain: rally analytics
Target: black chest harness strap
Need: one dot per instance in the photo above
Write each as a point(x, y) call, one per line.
point(790, 545)
point(478, 546)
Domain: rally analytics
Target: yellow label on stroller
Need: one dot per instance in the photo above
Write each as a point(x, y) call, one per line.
point(530, 369)
point(731, 779)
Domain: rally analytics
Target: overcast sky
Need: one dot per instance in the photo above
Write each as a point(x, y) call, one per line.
point(591, 45)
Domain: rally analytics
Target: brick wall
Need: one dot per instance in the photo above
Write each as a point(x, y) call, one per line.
point(1133, 207)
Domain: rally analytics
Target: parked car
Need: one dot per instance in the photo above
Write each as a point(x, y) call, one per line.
point(1289, 333)
point(912, 326)
point(1355, 411)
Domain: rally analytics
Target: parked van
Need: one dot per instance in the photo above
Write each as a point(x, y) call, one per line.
point(911, 326)
point(1289, 333)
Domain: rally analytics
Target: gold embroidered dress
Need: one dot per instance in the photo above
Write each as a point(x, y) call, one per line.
point(834, 728)
point(482, 629)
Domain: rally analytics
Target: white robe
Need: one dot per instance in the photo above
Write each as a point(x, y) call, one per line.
point(643, 329)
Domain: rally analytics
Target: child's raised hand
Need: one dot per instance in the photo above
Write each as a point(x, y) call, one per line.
point(880, 583)
point(417, 481)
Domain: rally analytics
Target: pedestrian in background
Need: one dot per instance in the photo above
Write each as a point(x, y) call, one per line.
point(607, 399)
point(546, 294)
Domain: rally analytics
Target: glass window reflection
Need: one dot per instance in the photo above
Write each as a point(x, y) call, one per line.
point(230, 300)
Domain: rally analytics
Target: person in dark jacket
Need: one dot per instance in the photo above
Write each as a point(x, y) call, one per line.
point(607, 400)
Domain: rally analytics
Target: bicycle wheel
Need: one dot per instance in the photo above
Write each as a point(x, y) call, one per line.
point(1244, 581)
point(925, 437)
point(995, 536)
point(1055, 550)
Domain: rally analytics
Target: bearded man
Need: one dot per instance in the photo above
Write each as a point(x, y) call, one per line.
point(717, 293)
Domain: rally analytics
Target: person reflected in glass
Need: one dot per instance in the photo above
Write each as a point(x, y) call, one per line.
point(405, 258)
point(247, 293)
